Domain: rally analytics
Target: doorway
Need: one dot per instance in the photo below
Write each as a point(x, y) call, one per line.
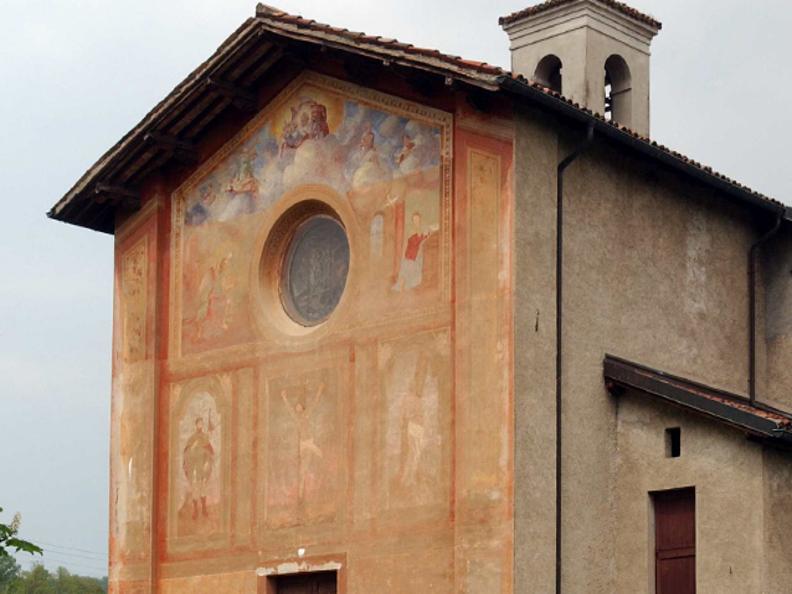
point(321, 582)
point(675, 541)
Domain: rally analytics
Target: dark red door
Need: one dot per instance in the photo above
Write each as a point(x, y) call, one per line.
point(307, 583)
point(675, 541)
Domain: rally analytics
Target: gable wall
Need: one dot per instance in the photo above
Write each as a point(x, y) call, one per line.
point(379, 441)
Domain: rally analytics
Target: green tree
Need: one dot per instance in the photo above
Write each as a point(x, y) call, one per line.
point(36, 581)
point(9, 539)
point(9, 571)
point(40, 581)
point(67, 583)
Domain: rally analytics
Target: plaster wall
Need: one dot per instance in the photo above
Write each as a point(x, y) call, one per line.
point(777, 517)
point(726, 472)
point(534, 353)
point(427, 457)
point(379, 442)
point(775, 284)
point(655, 273)
point(134, 418)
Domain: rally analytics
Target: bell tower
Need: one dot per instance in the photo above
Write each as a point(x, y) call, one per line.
point(594, 52)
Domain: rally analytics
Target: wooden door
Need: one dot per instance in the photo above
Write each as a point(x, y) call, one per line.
point(307, 583)
point(675, 541)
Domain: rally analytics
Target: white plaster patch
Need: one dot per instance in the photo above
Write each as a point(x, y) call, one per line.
point(292, 567)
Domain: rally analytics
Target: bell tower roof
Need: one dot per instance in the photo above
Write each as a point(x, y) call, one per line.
point(550, 4)
point(594, 52)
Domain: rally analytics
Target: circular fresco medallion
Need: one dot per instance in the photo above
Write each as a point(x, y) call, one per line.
point(315, 270)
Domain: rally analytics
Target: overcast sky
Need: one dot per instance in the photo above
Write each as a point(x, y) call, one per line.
point(77, 75)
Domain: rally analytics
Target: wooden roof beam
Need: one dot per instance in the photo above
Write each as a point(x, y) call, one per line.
point(182, 150)
point(242, 99)
point(116, 195)
point(274, 55)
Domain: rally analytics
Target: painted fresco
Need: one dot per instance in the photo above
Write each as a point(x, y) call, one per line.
point(415, 384)
point(386, 160)
point(134, 278)
point(133, 397)
point(199, 438)
point(132, 462)
point(388, 426)
point(200, 449)
point(302, 455)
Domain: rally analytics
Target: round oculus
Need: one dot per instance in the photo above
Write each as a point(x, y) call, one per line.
point(315, 269)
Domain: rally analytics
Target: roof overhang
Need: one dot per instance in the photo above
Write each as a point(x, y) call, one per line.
point(643, 146)
point(228, 81)
point(762, 423)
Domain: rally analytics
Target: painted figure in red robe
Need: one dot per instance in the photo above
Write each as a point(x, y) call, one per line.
point(411, 267)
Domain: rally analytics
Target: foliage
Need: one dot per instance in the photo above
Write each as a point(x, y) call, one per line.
point(40, 581)
point(9, 571)
point(9, 540)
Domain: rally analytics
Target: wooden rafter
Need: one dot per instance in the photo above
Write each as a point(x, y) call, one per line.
point(240, 98)
point(183, 151)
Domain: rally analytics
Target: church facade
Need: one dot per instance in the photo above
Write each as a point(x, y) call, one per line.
point(388, 320)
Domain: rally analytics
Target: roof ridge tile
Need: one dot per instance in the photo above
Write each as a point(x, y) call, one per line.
point(493, 78)
point(550, 4)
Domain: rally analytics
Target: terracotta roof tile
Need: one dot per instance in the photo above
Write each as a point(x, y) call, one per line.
point(266, 12)
point(474, 68)
point(689, 161)
point(474, 72)
point(544, 6)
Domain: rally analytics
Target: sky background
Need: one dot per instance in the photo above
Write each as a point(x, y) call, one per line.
point(77, 75)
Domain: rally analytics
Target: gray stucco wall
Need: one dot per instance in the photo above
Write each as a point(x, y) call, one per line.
point(776, 268)
point(726, 471)
point(534, 340)
point(777, 522)
point(655, 272)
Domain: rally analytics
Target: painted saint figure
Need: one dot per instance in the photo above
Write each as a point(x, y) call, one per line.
point(201, 211)
point(411, 266)
point(308, 452)
point(214, 301)
point(405, 153)
point(243, 188)
point(366, 163)
point(197, 463)
point(308, 122)
point(414, 435)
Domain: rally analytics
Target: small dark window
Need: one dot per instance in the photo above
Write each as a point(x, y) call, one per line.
point(673, 442)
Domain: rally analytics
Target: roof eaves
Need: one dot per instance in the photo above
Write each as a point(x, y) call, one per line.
point(641, 144)
point(489, 76)
point(380, 48)
point(772, 426)
point(391, 51)
point(149, 121)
